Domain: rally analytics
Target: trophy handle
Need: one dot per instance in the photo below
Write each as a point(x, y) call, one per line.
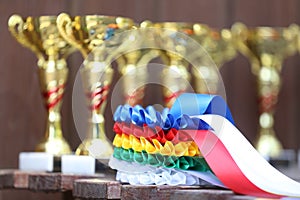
point(294, 34)
point(201, 30)
point(147, 57)
point(65, 28)
point(239, 32)
point(146, 24)
point(227, 36)
point(16, 26)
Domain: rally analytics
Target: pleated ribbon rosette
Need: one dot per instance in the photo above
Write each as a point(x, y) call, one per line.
point(193, 143)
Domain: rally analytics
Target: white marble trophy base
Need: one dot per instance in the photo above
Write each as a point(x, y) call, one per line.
point(74, 164)
point(36, 161)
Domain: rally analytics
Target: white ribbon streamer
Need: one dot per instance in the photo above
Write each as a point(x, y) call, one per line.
point(249, 161)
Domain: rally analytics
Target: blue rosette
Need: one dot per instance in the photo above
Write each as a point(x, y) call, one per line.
point(180, 116)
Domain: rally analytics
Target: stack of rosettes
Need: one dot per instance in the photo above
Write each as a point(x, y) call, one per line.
point(193, 143)
point(151, 147)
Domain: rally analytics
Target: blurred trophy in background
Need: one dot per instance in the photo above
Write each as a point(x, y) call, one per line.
point(220, 48)
point(133, 67)
point(176, 77)
point(40, 35)
point(87, 33)
point(266, 48)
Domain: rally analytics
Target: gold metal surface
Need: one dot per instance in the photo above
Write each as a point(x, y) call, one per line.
point(176, 77)
point(220, 47)
point(133, 67)
point(86, 33)
point(96, 78)
point(266, 49)
point(40, 34)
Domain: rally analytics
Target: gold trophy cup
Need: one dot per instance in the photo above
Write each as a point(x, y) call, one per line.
point(128, 67)
point(87, 33)
point(40, 35)
point(176, 77)
point(266, 49)
point(220, 47)
point(133, 66)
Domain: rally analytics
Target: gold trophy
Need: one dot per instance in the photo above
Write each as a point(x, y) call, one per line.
point(87, 33)
point(133, 72)
point(40, 35)
point(133, 67)
point(220, 48)
point(175, 77)
point(266, 48)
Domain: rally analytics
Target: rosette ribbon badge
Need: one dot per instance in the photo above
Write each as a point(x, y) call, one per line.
point(195, 142)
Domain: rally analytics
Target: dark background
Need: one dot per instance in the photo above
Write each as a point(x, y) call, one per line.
point(22, 115)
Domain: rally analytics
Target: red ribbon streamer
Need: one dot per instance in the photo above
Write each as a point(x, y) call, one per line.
point(213, 150)
point(223, 165)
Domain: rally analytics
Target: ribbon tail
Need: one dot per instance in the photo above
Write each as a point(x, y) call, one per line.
point(237, 164)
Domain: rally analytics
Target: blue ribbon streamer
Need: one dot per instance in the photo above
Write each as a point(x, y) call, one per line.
point(200, 104)
point(179, 116)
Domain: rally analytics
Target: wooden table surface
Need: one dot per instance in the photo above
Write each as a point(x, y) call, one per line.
point(104, 186)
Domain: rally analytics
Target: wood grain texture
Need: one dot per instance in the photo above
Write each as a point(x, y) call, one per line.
point(99, 186)
point(21, 179)
point(97, 189)
point(67, 181)
point(57, 181)
point(44, 182)
point(150, 192)
point(6, 179)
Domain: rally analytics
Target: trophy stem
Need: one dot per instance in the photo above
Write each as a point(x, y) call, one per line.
point(268, 89)
point(206, 80)
point(53, 126)
point(134, 76)
point(97, 126)
point(134, 93)
point(96, 78)
point(175, 78)
point(53, 76)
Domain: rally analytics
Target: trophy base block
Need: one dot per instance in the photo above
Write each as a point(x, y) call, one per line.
point(286, 158)
point(83, 165)
point(74, 164)
point(38, 161)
